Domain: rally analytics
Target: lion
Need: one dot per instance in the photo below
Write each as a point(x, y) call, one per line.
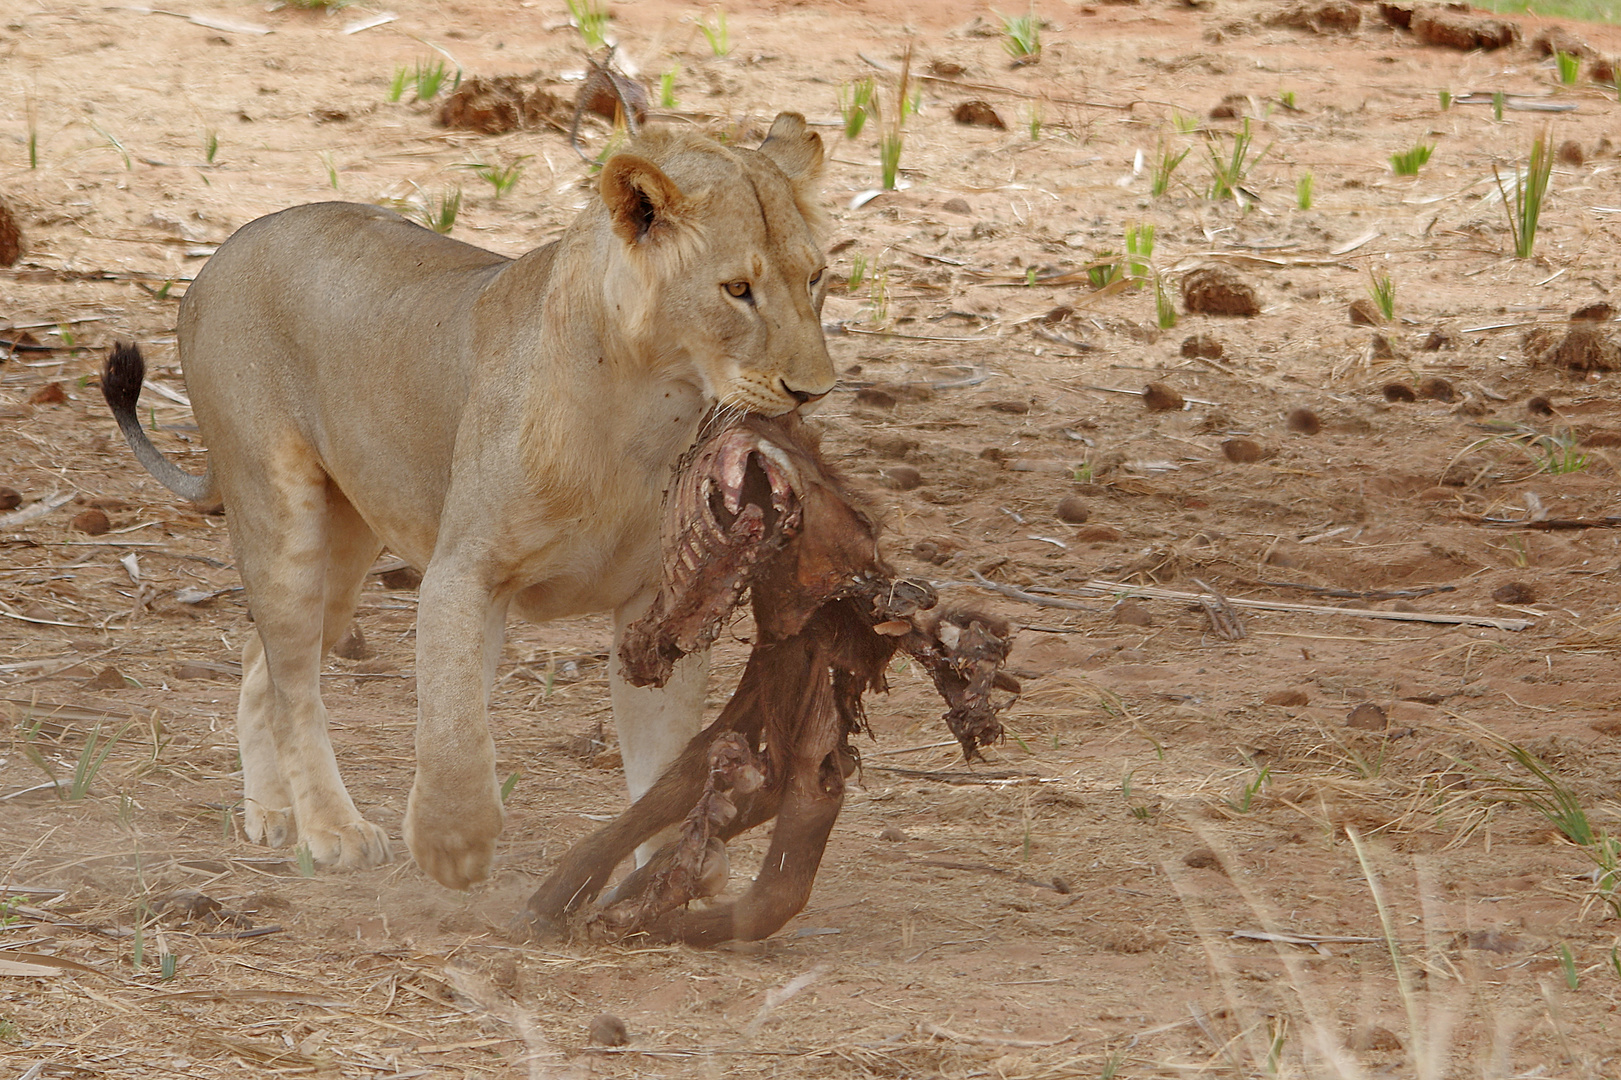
point(507, 426)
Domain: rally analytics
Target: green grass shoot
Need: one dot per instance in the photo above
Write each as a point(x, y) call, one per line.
point(1303, 191)
point(1383, 293)
point(667, 88)
point(1594, 11)
point(858, 272)
point(397, 85)
point(1183, 123)
point(1444, 97)
point(306, 860)
point(857, 102)
point(715, 32)
point(1139, 250)
point(503, 178)
point(1560, 454)
point(331, 167)
point(1035, 120)
point(890, 146)
point(1567, 964)
point(91, 759)
point(166, 966)
point(112, 140)
point(1287, 100)
point(1162, 168)
point(440, 214)
point(33, 132)
point(1164, 306)
point(1524, 209)
point(590, 18)
point(211, 146)
point(1408, 162)
point(1569, 66)
point(1549, 796)
point(1105, 270)
point(1021, 36)
point(1497, 105)
point(508, 784)
point(1230, 168)
point(430, 79)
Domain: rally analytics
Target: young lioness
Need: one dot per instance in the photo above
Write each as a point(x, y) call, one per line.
point(506, 425)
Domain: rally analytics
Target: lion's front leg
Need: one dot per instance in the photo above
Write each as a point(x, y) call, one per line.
point(654, 724)
point(454, 814)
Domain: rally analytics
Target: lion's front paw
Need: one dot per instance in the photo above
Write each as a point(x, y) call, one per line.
point(359, 845)
point(455, 849)
point(272, 828)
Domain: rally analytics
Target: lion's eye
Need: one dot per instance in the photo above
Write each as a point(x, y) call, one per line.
point(737, 289)
point(816, 278)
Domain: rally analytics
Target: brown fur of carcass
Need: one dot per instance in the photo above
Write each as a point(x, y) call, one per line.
point(829, 614)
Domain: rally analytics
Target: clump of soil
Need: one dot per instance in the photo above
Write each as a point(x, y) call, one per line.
point(1456, 30)
point(1320, 17)
point(1216, 290)
point(1243, 451)
point(1584, 347)
point(1161, 398)
point(1397, 392)
point(1362, 312)
point(1202, 345)
point(978, 114)
point(11, 237)
point(1304, 421)
point(504, 103)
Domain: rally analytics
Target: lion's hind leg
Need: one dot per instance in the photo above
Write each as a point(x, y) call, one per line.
point(303, 552)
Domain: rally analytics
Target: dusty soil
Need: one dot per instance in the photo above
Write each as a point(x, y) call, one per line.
point(1066, 908)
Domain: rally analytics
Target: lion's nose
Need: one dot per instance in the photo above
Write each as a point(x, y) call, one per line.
point(803, 397)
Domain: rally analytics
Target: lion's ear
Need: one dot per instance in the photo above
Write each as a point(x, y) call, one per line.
point(795, 148)
point(638, 195)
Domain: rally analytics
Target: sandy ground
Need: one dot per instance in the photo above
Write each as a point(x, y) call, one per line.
point(1094, 899)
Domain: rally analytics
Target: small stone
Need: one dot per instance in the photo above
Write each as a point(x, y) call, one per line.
point(901, 478)
point(957, 206)
point(10, 498)
point(1202, 858)
point(1399, 392)
point(1363, 313)
point(978, 114)
point(1304, 421)
point(1367, 717)
point(1072, 510)
point(1243, 451)
point(108, 678)
point(1435, 388)
point(1130, 613)
point(1216, 290)
point(890, 834)
point(49, 394)
point(1514, 592)
point(607, 1030)
point(352, 646)
point(1293, 699)
point(1203, 346)
point(1161, 398)
point(92, 521)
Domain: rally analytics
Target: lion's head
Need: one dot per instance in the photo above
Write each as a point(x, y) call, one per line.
point(720, 274)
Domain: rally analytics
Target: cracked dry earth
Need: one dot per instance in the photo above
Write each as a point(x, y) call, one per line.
point(1095, 898)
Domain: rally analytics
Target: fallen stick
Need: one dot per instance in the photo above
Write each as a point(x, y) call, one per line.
point(1120, 588)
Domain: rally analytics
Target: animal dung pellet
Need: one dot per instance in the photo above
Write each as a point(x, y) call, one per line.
point(352, 646)
point(1072, 510)
point(1304, 421)
point(49, 394)
point(1363, 313)
point(1289, 698)
point(1539, 406)
point(1367, 717)
point(957, 205)
point(1202, 858)
point(1514, 592)
point(11, 237)
point(93, 522)
point(10, 498)
point(1399, 392)
point(1161, 398)
point(978, 114)
point(1216, 290)
point(1128, 613)
point(606, 1029)
point(1203, 346)
point(1243, 451)
point(901, 478)
point(1570, 152)
point(1435, 388)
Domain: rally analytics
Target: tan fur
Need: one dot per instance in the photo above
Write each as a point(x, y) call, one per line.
point(508, 426)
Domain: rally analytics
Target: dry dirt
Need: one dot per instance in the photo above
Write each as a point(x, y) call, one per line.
point(1066, 908)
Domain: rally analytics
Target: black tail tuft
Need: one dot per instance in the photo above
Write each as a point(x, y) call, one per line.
point(121, 377)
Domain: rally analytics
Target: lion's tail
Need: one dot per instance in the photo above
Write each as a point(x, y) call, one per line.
point(121, 380)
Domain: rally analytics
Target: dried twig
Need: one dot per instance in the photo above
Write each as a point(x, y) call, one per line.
point(1223, 619)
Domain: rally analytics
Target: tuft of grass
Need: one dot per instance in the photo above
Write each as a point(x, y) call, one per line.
point(1139, 250)
point(508, 784)
point(1530, 193)
point(1567, 964)
point(430, 79)
point(858, 272)
point(1303, 191)
point(1287, 99)
point(331, 167)
point(893, 140)
point(857, 102)
point(440, 214)
point(8, 910)
point(112, 141)
point(1021, 37)
point(1105, 270)
point(590, 18)
point(1037, 114)
point(1560, 455)
point(166, 967)
point(1162, 168)
point(1549, 796)
point(667, 88)
point(1408, 162)
point(397, 85)
point(1444, 97)
point(1243, 799)
point(306, 860)
point(715, 32)
point(878, 296)
point(1569, 66)
point(1230, 169)
point(1383, 293)
point(1164, 306)
point(1183, 123)
point(503, 178)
